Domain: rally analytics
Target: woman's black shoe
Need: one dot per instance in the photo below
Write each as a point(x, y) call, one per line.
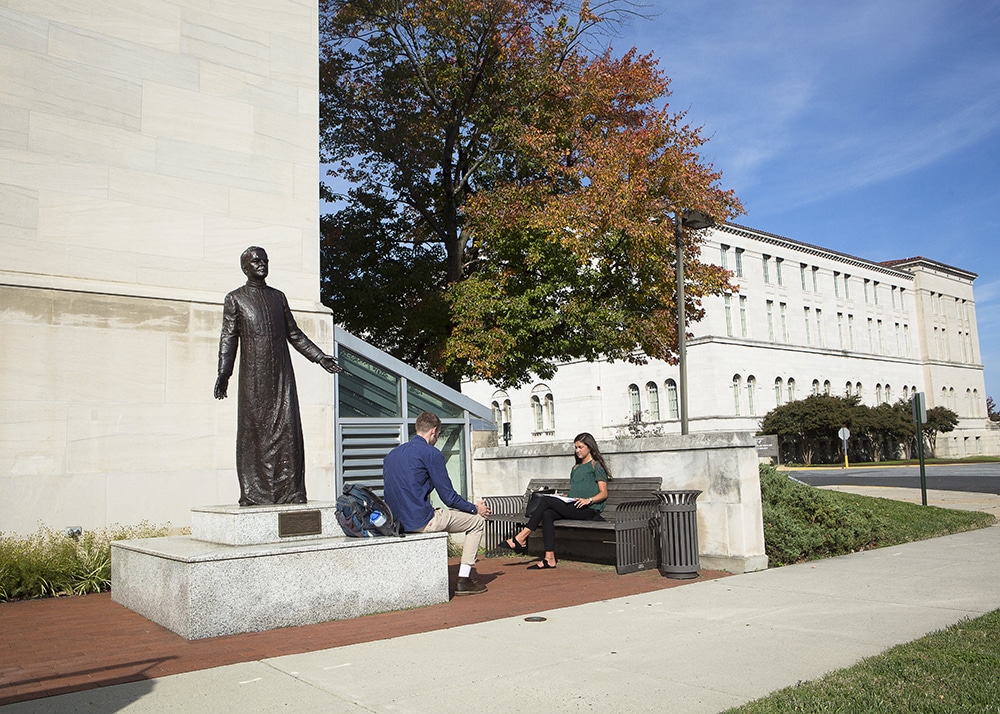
point(513, 545)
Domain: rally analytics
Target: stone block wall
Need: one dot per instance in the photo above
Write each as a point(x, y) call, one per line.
point(722, 465)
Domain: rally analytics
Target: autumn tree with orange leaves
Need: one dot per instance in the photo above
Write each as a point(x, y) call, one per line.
point(511, 192)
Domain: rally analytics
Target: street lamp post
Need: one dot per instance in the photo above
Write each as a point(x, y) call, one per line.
point(695, 220)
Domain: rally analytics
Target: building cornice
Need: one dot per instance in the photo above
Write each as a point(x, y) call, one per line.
point(773, 239)
point(935, 265)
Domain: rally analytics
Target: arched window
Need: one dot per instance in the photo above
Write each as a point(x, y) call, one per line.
point(848, 389)
point(737, 383)
point(536, 409)
point(751, 388)
point(878, 394)
point(888, 394)
point(976, 406)
point(501, 413)
point(543, 408)
point(672, 408)
point(779, 387)
point(858, 391)
point(952, 399)
point(815, 389)
point(791, 389)
point(826, 387)
point(634, 403)
point(944, 397)
point(653, 398)
point(906, 393)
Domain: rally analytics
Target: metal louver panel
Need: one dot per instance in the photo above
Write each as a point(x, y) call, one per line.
point(363, 446)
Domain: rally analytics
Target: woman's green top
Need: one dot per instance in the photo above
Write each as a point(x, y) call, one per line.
point(583, 482)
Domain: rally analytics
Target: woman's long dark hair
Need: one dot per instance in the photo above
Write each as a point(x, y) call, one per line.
point(588, 440)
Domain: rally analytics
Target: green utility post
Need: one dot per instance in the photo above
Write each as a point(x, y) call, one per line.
point(920, 416)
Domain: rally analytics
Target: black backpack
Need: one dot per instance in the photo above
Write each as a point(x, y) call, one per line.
point(362, 513)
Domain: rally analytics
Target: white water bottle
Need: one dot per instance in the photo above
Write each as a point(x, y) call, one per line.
point(377, 519)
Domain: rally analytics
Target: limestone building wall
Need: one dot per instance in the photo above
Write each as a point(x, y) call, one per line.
point(805, 319)
point(143, 146)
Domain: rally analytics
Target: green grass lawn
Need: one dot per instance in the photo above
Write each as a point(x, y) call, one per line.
point(952, 671)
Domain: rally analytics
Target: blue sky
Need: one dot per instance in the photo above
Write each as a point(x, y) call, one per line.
point(868, 127)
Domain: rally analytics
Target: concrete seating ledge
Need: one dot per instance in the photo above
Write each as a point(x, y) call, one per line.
point(201, 589)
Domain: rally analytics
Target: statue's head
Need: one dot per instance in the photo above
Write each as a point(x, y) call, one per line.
point(254, 262)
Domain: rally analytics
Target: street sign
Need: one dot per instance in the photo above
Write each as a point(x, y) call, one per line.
point(844, 435)
point(919, 408)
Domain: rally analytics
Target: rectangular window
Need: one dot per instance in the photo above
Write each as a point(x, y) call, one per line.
point(808, 320)
point(777, 270)
point(840, 330)
point(765, 261)
point(744, 330)
point(724, 256)
point(770, 320)
point(815, 272)
point(902, 300)
point(819, 327)
point(906, 338)
point(892, 292)
point(847, 287)
point(899, 337)
point(871, 335)
point(881, 339)
point(784, 321)
point(729, 314)
point(836, 284)
point(803, 271)
point(875, 292)
point(868, 287)
point(850, 332)
point(934, 309)
point(739, 262)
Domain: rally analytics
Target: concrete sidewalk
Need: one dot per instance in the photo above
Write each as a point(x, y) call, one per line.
point(703, 647)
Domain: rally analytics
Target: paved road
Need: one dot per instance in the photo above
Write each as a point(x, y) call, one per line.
point(971, 478)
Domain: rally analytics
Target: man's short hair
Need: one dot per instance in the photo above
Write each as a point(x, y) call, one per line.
point(426, 422)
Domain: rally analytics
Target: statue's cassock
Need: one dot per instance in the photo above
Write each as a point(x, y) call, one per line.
point(270, 455)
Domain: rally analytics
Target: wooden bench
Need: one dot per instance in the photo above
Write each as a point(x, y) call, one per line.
point(626, 535)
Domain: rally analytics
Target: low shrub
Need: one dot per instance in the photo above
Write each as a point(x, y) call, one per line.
point(50, 563)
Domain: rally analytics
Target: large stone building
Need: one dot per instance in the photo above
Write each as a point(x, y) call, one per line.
point(143, 146)
point(805, 320)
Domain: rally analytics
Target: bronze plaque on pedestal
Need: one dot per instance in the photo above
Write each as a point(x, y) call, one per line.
point(299, 523)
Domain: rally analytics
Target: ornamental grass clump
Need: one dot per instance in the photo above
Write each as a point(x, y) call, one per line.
point(51, 563)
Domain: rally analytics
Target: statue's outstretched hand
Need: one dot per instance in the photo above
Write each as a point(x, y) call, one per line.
point(330, 365)
point(221, 387)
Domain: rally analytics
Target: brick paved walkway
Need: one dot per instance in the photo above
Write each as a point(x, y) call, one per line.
point(61, 645)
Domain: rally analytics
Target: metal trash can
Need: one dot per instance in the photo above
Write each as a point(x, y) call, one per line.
point(678, 534)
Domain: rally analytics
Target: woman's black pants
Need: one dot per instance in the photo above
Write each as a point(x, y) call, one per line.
point(553, 509)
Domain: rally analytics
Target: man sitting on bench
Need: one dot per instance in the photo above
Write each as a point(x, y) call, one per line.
point(414, 469)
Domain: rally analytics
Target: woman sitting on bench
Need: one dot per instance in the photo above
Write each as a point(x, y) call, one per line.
point(588, 490)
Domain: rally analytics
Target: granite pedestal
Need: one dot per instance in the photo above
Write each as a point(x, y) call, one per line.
point(237, 573)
